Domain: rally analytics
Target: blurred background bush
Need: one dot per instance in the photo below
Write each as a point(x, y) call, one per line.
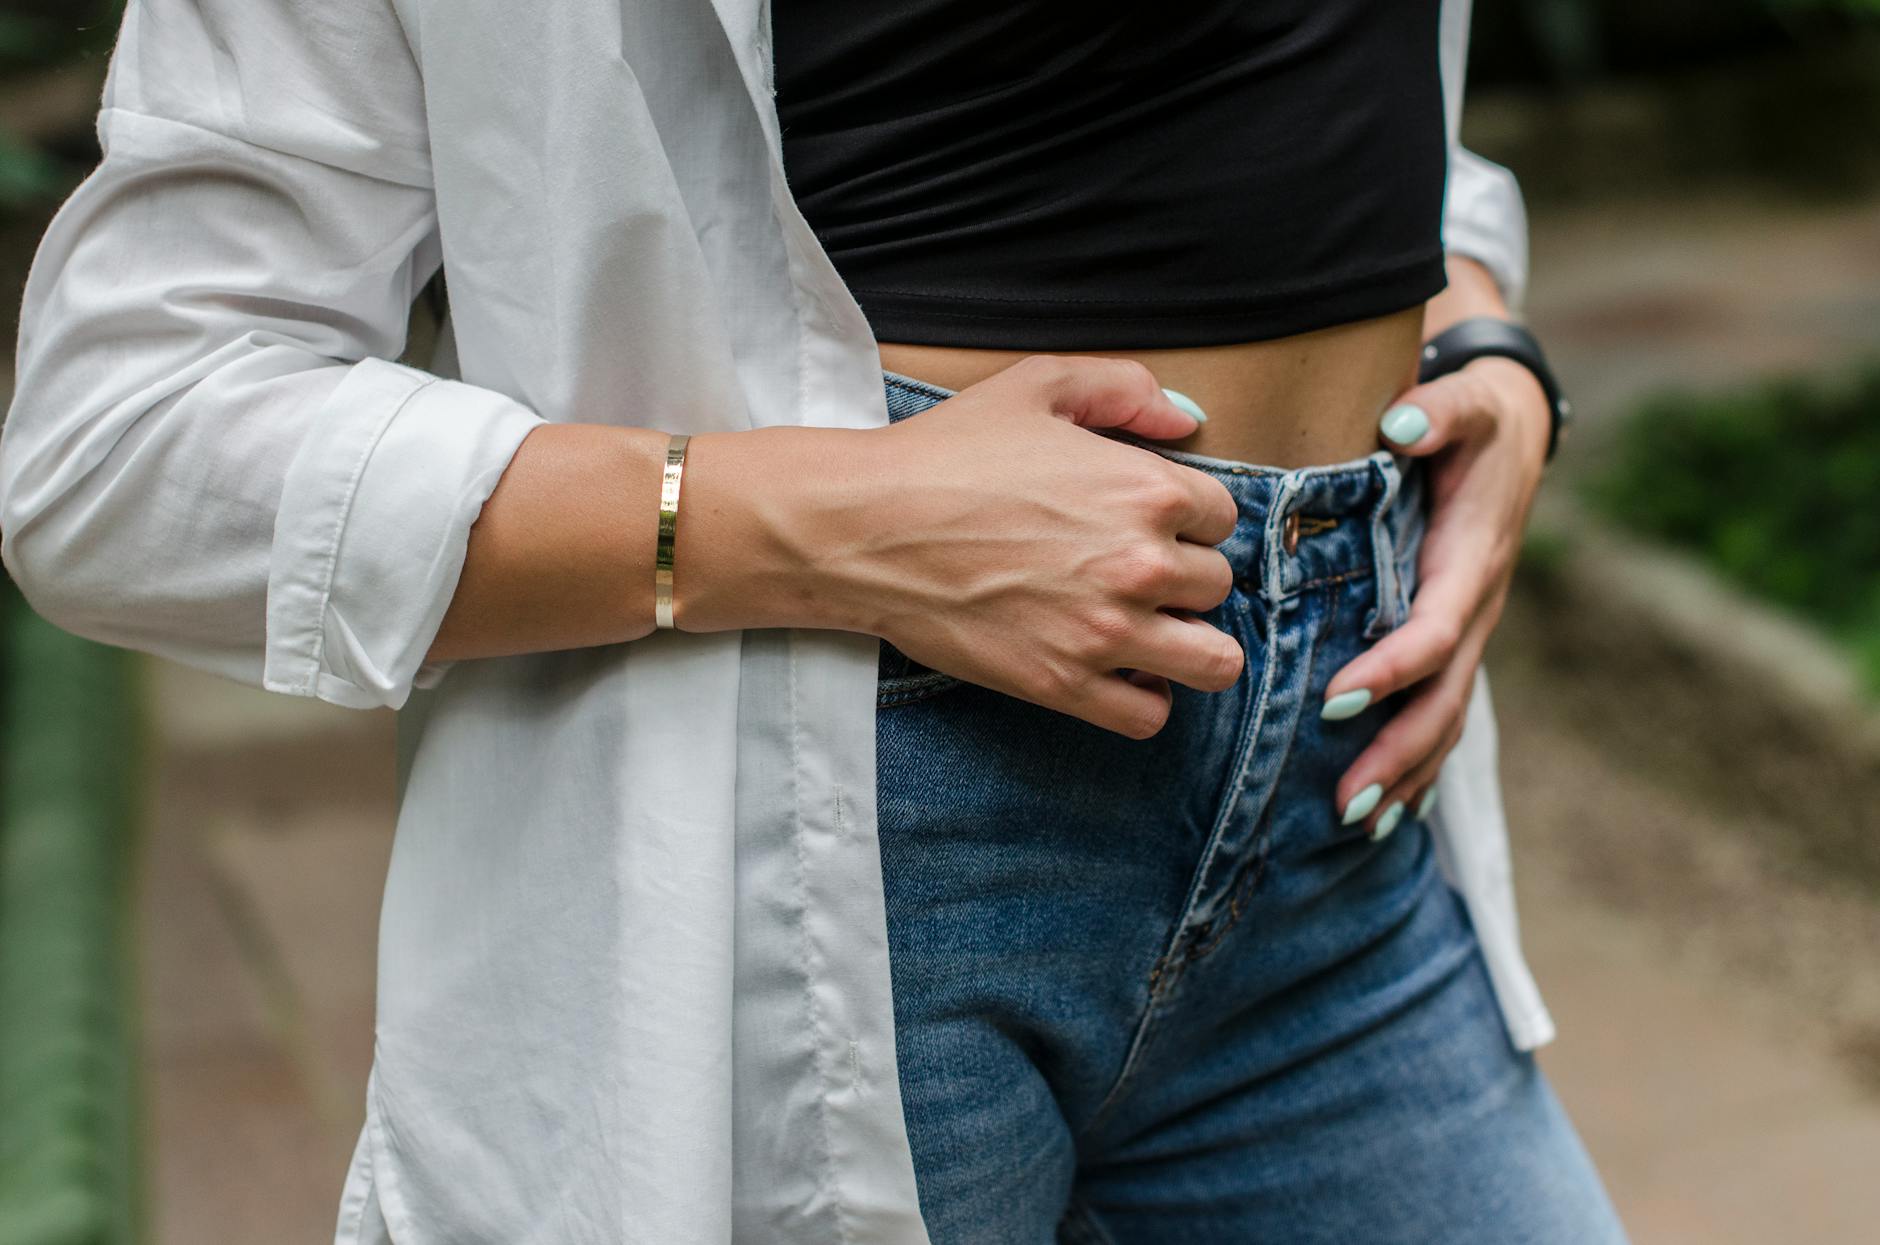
point(1686, 679)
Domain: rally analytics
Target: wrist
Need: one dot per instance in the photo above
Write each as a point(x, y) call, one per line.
point(1471, 291)
point(1478, 337)
point(1521, 408)
point(766, 519)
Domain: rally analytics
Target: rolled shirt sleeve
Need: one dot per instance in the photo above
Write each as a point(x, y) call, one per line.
point(210, 454)
point(374, 519)
point(1484, 217)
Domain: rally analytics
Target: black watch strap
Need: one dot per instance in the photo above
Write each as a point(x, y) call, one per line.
point(1483, 336)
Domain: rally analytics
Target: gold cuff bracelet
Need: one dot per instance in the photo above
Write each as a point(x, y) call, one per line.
point(668, 525)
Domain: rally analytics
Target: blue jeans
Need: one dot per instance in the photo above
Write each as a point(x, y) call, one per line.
point(1153, 991)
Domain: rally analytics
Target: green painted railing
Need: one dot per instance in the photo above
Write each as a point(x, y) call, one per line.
point(68, 783)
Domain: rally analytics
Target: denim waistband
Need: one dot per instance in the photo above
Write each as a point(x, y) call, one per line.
point(1299, 526)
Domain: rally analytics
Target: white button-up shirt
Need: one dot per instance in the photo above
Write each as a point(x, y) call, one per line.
point(633, 978)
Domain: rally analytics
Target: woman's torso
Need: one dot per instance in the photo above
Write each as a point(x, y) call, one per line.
point(1294, 402)
point(1246, 198)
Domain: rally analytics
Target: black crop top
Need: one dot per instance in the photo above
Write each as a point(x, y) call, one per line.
point(1101, 175)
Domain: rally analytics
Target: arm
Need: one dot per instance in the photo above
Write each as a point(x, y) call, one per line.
point(210, 455)
point(960, 564)
point(506, 582)
point(1484, 431)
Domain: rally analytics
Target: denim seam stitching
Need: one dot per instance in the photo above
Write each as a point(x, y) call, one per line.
point(1274, 518)
point(919, 387)
point(1245, 883)
point(1250, 726)
point(1359, 572)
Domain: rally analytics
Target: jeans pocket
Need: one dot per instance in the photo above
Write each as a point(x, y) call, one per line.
point(900, 680)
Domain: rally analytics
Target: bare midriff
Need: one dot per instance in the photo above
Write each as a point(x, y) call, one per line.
point(1291, 402)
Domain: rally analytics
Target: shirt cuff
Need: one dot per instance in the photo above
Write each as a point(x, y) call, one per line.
point(1485, 219)
point(374, 520)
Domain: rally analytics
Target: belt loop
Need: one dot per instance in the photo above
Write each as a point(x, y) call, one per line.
point(1391, 606)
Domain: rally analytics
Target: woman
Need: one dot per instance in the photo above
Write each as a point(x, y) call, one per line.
point(1161, 969)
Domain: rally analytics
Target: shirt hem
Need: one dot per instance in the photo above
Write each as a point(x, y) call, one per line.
point(1045, 324)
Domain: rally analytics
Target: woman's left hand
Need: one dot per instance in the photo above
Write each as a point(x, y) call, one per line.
point(1484, 431)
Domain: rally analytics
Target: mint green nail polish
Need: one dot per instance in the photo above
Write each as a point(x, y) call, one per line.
point(1345, 705)
point(1387, 822)
point(1405, 424)
point(1363, 802)
point(1187, 404)
point(1425, 804)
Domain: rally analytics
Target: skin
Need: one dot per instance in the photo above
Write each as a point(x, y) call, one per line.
point(1487, 446)
point(1294, 402)
point(1023, 553)
point(949, 533)
point(1318, 398)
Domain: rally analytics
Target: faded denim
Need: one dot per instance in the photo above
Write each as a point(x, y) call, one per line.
point(1154, 991)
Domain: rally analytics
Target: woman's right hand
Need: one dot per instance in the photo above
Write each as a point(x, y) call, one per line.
point(997, 538)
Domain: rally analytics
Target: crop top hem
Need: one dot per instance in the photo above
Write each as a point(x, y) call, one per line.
point(916, 318)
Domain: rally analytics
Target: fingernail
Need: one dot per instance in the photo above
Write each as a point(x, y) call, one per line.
point(1425, 804)
point(1404, 424)
point(1345, 705)
point(1387, 821)
point(1363, 802)
point(1187, 404)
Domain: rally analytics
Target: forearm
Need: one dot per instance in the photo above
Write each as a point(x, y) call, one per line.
point(1471, 291)
point(562, 554)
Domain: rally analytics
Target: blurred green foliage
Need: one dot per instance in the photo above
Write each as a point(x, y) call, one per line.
point(1571, 42)
point(1776, 486)
point(37, 37)
point(44, 32)
point(27, 174)
point(68, 783)
point(1863, 7)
